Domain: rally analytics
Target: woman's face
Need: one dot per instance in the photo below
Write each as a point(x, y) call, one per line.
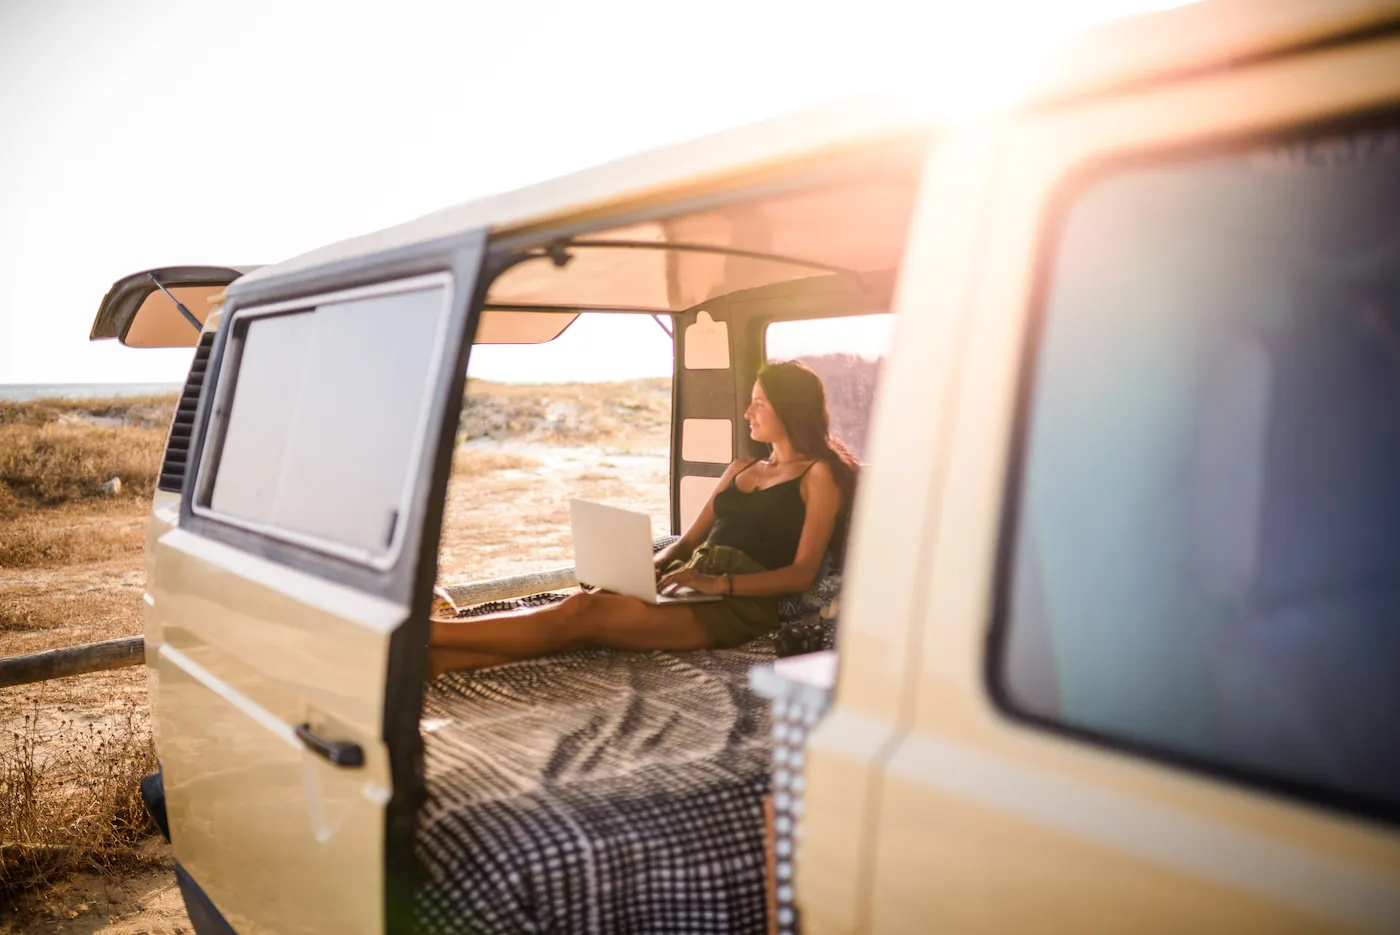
point(764, 424)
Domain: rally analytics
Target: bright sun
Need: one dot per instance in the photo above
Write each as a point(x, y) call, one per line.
point(983, 57)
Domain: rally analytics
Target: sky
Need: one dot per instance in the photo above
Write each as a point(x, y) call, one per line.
point(158, 133)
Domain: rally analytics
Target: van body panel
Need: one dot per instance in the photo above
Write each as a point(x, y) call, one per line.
point(844, 758)
point(1308, 867)
point(1135, 50)
point(661, 178)
point(977, 864)
point(251, 648)
point(888, 544)
point(165, 516)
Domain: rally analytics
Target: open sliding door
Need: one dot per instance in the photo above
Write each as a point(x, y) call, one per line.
point(294, 594)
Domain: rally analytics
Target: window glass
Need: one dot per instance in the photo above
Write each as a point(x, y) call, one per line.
point(260, 419)
point(326, 417)
point(847, 354)
point(364, 388)
point(1206, 552)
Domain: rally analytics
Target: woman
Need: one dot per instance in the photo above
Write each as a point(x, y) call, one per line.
point(763, 534)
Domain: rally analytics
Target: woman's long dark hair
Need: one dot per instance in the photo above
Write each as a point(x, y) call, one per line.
point(799, 400)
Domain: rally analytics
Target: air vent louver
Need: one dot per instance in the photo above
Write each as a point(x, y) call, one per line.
point(177, 447)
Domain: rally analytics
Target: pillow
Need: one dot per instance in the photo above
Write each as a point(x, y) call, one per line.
point(826, 589)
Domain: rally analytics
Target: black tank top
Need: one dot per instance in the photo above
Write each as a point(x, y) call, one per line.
point(764, 524)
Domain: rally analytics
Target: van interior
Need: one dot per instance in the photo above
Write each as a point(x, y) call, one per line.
point(599, 790)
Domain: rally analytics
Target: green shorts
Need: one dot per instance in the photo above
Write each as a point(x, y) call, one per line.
point(730, 620)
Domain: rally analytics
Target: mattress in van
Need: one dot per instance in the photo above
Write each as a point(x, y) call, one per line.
point(596, 791)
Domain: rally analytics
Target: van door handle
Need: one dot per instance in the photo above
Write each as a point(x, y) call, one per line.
point(339, 752)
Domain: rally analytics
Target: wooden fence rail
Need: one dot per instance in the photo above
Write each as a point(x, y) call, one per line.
point(72, 660)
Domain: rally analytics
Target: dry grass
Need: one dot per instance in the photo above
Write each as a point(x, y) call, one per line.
point(474, 462)
point(57, 463)
point(70, 800)
point(631, 413)
point(55, 455)
point(86, 532)
point(139, 411)
point(29, 610)
point(35, 616)
point(72, 752)
point(55, 452)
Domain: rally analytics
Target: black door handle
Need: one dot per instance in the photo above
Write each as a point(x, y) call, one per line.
point(339, 752)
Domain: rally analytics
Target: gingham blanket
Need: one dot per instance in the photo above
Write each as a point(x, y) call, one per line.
point(596, 792)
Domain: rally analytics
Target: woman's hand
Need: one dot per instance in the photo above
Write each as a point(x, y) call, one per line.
point(690, 578)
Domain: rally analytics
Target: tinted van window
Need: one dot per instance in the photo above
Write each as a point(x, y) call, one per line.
point(1205, 551)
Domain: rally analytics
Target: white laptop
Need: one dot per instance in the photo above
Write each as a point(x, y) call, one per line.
point(612, 551)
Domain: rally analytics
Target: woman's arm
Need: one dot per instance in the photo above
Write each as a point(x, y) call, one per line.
point(685, 546)
point(822, 499)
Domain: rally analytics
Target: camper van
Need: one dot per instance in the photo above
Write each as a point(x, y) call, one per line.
point(1115, 645)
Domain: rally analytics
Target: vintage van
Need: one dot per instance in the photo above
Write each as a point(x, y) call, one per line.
point(1118, 640)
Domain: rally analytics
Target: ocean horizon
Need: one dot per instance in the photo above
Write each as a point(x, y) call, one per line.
point(24, 392)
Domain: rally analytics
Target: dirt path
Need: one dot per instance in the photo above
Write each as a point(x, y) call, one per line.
point(146, 902)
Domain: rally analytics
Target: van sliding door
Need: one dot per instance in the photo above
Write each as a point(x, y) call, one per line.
point(299, 579)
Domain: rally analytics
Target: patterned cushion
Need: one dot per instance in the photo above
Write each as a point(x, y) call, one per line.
point(811, 601)
point(596, 791)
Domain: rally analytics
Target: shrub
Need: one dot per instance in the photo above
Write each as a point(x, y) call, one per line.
point(70, 799)
point(58, 451)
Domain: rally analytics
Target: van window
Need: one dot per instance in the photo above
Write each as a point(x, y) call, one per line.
point(325, 414)
point(1204, 548)
point(847, 354)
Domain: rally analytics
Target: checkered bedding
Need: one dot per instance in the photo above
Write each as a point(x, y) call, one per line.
point(596, 792)
point(602, 791)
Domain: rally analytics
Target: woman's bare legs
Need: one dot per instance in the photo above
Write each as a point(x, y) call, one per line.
point(441, 659)
point(581, 620)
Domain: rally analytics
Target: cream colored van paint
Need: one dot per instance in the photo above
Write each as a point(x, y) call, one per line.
point(982, 824)
point(250, 646)
point(927, 808)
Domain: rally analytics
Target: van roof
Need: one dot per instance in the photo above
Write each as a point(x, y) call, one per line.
point(1120, 54)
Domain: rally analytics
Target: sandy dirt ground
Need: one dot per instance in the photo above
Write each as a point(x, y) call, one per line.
point(144, 902)
point(516, 519)
point(507, 512)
